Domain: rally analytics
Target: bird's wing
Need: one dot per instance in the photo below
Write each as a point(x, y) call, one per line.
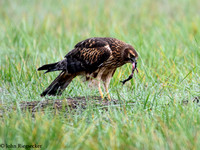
point(91, 43)
point(88, 55)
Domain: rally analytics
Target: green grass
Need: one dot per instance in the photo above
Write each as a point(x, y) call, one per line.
point(166, 35)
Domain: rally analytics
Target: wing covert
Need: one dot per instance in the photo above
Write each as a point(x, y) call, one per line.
point(90, 54)
point(91, 43)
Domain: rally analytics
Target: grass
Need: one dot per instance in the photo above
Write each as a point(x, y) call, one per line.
point(167, 37)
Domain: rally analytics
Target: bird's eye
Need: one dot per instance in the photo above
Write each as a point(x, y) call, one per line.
point(132, 56)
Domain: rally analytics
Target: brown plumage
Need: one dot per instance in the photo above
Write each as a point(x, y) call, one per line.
point(95, 58)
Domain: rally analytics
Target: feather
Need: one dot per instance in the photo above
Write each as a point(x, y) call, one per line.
point(58, 85)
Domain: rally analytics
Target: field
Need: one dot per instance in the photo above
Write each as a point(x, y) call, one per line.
point(162, 113)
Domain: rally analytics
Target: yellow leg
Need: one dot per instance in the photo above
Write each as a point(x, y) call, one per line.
point(100, 91)
point(107, 93)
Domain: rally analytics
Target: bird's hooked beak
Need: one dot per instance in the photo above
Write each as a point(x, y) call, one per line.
point(134, 63)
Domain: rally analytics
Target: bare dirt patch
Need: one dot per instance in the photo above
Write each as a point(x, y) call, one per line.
point(59, 105)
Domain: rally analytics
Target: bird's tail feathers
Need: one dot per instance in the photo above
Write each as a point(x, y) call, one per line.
point(59, 84)
point(50, 67)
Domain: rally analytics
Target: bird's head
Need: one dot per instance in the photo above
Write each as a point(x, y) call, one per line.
point(130, 55)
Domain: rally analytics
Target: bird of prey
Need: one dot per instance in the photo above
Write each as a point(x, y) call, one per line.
point(95, 58)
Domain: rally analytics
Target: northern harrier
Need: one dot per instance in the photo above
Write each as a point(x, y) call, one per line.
point(95, 58)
